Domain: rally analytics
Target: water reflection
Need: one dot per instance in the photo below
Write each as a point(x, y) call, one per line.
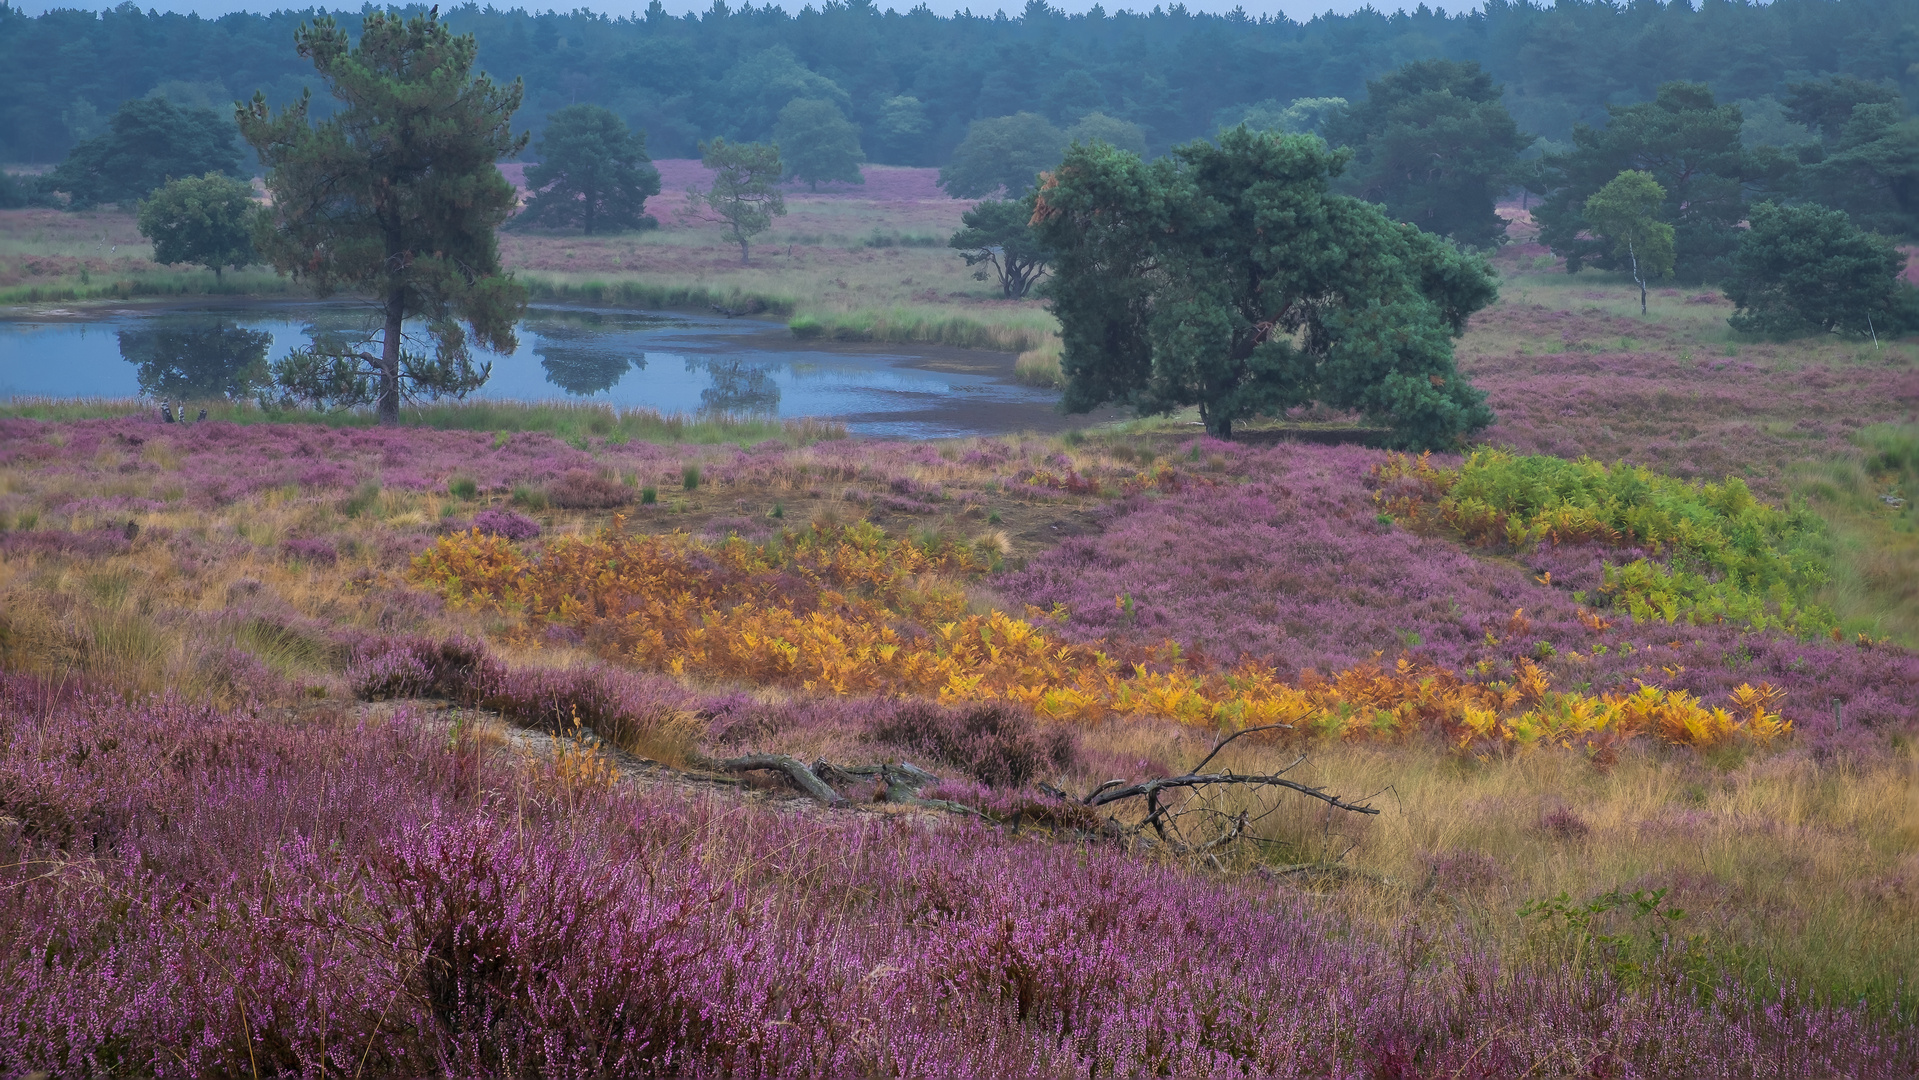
point(188, 362)
point(737, 389)
point(578, 367)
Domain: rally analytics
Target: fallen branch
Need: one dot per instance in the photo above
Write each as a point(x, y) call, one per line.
point(793, 768)
point(1150, 789)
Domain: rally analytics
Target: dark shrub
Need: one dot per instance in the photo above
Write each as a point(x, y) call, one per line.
point(312, 550)
point(997, 745)
point(583, 490)
point(455, 669)
point(506, 523)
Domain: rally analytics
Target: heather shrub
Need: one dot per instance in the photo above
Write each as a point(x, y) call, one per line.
point(455, 669)
point(580, 489)
point(996, 745)
point(312, 550)
point(501, 522)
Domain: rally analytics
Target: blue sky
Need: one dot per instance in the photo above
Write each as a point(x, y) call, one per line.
point(1298, 9)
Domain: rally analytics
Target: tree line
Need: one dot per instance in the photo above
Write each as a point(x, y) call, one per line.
point(911, 82)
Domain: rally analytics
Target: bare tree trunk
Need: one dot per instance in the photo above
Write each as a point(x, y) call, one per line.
point(1638, 279)
point(390, 358)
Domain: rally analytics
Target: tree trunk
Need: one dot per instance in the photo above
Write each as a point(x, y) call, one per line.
point(1638, 279)
point(390, 358)
point(742, 251)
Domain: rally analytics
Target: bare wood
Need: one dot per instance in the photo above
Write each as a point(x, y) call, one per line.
point(794, 770)
point(1151, 789)
point(1221, 744)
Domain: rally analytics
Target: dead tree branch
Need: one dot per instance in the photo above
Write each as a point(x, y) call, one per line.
point(1150, 789)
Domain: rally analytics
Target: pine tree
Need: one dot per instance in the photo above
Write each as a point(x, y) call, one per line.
point(396, 195)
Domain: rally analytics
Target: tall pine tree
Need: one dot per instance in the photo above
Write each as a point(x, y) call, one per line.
point(396, 196)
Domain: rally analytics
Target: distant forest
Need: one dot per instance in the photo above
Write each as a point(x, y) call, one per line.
point(913, 81)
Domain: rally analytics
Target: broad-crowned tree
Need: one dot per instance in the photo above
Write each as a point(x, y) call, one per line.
point(1000, 235)
point(397, 196)
point(1626, 213)
point(206, 220)
point(1809, 269)
point(1004, 152)
point(745, 192)
point(1230, 277)
point(593, 174)
point(818, 143)
point(1433, 144)
point(148, 142)
point(1690, 145)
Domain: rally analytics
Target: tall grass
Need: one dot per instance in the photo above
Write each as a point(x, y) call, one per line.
point(1012, 330)
point(1871, 504)
point(572, 421)
point(653, 294)
point(148, 283)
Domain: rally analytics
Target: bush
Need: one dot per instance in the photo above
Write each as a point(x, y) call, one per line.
point(506, 523)
point(1806, 269)
point(456, 669)
point(583, 490)
point(998, 746)
point(311, 550)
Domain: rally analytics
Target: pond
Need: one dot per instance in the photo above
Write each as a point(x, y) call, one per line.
point(671, 362)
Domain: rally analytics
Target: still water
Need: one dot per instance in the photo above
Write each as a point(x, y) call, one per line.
point(670, 362)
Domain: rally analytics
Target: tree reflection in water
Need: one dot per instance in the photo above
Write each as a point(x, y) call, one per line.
point(185, 362)
point(737, 389)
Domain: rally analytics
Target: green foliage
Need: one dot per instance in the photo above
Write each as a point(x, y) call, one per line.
point(1099, 127)
point(1000, 235)
point(1625, 212)
point(745, 191)
point(396, 196)
point(690, 477)
point(148, 142)
point(1303, 116)
point(1433, 143)
point(13, 193)
point(1806, 269)
point(1727, 556)
point(818, 144)
point(201, 219)
point(1230, 278)
point(753, 91)
point(1003, 152)
point(1648, 948)
point(593, 174)
point(1690, 145)
point(1868, 161)
point(463, 487)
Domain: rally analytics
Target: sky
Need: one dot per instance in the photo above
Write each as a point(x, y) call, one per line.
point(1297, 9)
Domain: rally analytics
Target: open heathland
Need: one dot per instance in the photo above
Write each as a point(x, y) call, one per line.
point(258, 666)
point(485, 743)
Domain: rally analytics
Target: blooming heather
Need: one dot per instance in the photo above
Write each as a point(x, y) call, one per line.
point(189, 892)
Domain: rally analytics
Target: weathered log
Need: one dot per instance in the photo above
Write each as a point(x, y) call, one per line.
point(1150, 789)
point(793, 768)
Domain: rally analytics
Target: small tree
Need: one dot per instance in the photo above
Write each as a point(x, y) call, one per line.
point(148, 142)
point(1228, 277)
point(818, 144)
point(1005, 152)
point(745, 191)
point(1625, 213)
point(396, 195)
point(1804, 269)
point(201, 219)
point(593, 174)
point(999, 235)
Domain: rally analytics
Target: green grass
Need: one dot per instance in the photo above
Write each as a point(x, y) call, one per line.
point(569, 421)
point(1008, 330)
point(148, 283)
point(1870, 502)
point(652, 294)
